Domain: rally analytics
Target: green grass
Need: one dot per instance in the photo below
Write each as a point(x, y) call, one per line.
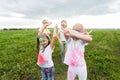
point(18, 56)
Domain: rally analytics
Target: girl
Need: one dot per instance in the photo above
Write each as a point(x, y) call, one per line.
point(45, 49)
point(74, 57)
point(61, 38)
point(46, 31)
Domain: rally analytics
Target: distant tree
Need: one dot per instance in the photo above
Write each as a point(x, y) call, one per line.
point(5, 29)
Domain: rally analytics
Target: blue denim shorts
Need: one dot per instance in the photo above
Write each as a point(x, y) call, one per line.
point(48, 73)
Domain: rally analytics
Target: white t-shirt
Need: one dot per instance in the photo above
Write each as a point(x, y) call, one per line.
point(47, 54)
point(75, 53)
point(62, 36)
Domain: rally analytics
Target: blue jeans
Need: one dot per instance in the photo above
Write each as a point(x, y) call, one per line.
point(47, 73)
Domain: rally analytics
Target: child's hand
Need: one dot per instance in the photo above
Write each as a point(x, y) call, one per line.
point(55, 31)
point(47, 24)
point(90, 31)
point(56, 26)
point(87, 33)
point(65, 31)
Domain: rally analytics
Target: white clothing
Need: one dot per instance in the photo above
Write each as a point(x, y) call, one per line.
point(80, 71)
point(62, 36)
point(47, 54)
point(75, 53)
point(74, 58)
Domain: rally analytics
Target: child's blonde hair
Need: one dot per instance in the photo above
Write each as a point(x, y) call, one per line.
point(79, 27)
point(44, 21)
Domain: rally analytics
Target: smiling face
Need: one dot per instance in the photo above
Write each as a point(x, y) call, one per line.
point(63, 24)
point(44, 40)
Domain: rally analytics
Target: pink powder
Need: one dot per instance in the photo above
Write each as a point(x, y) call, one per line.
point(41, 59)
point(76, 57)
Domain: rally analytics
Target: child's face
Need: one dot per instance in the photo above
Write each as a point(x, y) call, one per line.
point(63, 24)
point(47, 23)
point(44, 40)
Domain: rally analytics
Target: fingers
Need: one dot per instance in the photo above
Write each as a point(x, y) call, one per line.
point(90, 31)
point(55, 30)
point(48, 23)
point(56, 26)
point(87, 33)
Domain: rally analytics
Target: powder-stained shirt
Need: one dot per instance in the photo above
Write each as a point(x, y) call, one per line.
point(75, 53)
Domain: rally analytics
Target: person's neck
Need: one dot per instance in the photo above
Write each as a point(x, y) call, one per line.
point(62, 28)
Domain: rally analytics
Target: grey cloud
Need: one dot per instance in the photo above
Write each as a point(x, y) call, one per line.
point(56, 8)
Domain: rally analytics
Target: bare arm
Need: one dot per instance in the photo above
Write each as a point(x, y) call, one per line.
point(58, 34)
point(43, 28)
point(66, 33)
point(73, 33)
point(54, 37)
point(84, 37)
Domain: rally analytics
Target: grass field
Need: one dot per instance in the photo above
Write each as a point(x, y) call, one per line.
point(18, 56)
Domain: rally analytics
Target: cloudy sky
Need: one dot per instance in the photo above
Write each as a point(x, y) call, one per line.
point(29, 13)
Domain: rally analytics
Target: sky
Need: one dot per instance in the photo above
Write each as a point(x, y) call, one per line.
point(30, 13)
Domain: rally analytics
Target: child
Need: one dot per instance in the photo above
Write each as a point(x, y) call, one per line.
point(62, 39)
point(74, 57)
point(45, 49)
point(46, 31)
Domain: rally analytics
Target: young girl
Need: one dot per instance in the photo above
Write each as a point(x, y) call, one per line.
point(45, 49)
point(61, 38)
point(46, 30)
point(74, 57)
